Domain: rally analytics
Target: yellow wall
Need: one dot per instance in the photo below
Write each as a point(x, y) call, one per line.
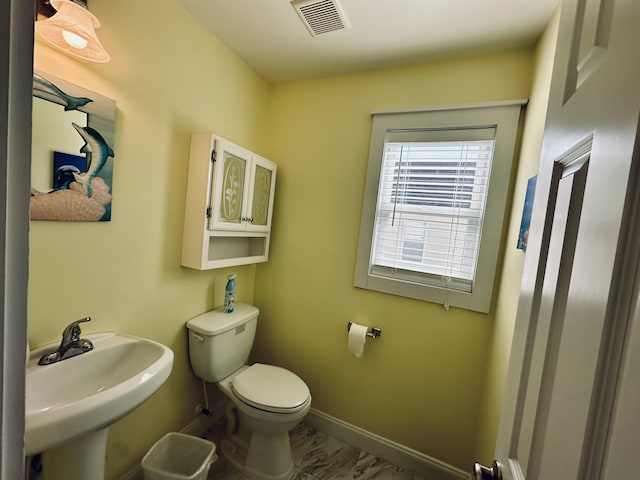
point(509, 289)
point(420, 382)
point(126, 274)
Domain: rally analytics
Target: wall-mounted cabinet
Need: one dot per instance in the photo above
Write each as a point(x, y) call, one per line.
point(230, 193)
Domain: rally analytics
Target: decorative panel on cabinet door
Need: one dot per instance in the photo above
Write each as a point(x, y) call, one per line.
point(262, 189)
point(229, 187)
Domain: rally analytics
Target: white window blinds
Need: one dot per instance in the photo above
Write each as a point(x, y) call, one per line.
point(430, 208)
point(435, 203)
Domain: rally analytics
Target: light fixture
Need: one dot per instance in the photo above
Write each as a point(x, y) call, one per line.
point(71, 29)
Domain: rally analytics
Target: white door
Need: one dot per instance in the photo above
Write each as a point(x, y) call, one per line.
point(572, 400)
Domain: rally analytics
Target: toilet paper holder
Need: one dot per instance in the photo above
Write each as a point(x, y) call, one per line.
point(374, 333)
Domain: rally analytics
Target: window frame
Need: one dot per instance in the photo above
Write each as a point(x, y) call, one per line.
point(505, 117)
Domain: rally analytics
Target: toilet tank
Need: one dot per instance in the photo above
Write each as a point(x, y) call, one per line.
point(220, 343)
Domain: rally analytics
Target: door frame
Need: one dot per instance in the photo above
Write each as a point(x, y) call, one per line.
point(16, 73)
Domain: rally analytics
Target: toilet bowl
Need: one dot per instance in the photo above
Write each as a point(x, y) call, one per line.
point(266, 401)
point(261, 448)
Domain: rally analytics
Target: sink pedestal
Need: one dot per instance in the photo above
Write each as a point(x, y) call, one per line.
point(79, 459)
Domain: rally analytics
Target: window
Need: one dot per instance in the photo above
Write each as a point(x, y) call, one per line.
point(435, 198)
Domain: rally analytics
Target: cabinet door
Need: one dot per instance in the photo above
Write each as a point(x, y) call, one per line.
point(261, 188)
point(229, 186)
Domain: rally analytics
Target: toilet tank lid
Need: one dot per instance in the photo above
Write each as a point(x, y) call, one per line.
point(217, 321)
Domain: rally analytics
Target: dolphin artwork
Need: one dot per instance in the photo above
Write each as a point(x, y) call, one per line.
point(70, 102)
point(64, 176)
point(97, 151)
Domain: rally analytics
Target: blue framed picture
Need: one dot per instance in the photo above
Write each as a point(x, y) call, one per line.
point(64, 166)
point(525, 223)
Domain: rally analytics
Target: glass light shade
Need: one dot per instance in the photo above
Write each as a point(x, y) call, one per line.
point(71, 30)
point(75, 40)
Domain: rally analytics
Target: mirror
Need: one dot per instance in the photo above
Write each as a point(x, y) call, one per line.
point(72, 152)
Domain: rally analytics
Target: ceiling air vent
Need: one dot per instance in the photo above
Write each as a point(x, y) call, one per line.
point(321, 16)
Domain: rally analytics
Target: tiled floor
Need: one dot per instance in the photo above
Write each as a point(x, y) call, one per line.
point(317, 456)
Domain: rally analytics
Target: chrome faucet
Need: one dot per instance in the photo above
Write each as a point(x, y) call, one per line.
point(71, 344)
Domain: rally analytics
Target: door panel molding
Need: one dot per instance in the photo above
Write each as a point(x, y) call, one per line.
point(589, 42)
point(566, 192)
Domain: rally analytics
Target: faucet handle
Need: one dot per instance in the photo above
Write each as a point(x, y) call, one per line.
point(72, 331)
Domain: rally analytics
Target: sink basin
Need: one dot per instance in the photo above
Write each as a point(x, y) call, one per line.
point(89, 392)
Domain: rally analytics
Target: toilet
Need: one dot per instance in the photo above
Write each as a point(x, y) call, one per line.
point(266, 402)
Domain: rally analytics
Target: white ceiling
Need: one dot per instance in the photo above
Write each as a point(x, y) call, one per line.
point(269, 35)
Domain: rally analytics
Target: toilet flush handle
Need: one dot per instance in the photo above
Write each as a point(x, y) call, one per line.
point(197, 337)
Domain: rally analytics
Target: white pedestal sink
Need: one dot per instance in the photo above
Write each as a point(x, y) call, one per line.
point(70, 404)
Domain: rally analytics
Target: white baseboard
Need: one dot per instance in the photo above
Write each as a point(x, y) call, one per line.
point(405, 457)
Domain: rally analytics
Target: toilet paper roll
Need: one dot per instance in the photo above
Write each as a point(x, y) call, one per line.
point(357, 339)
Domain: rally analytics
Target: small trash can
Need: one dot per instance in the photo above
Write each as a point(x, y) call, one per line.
point(178, 456)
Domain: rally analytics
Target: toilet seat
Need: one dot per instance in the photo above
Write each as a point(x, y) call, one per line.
point(271, 388)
